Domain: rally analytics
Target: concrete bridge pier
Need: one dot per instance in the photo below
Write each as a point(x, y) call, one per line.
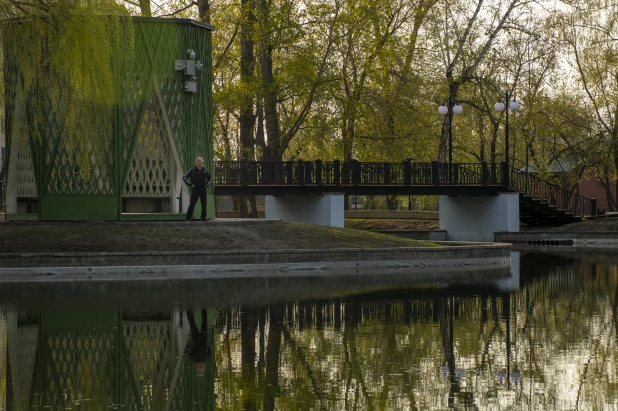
point(327, 209)
point(477, 218)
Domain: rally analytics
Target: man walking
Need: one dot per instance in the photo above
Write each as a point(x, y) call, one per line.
point(198, 178)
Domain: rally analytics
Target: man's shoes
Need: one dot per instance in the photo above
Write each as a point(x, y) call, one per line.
point(203, 219)
point(187, 218)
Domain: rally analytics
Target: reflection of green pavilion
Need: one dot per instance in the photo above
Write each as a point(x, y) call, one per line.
point(161, 123)
point(97, 360)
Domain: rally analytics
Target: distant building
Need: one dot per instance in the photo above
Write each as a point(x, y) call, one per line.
point(590, 187)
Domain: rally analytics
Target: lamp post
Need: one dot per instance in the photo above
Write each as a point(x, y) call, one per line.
point(500, 107)
point(450, 110)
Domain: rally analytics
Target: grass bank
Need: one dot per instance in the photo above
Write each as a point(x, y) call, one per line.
point(220, 234)
point(377, 224)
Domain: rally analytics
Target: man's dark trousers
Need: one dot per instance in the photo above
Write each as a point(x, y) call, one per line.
point(197, 192)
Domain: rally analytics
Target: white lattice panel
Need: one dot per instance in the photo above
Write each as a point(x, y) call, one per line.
point(66, 178)
point(26, 184)
point(149, 171)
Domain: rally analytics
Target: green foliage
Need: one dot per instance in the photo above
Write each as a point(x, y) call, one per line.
point(71, 56)
point(363, 79)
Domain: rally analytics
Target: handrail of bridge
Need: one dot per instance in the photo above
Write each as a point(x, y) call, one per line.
point(554, 195)
point(355, 173)
point(407, 173)
point(535, 187)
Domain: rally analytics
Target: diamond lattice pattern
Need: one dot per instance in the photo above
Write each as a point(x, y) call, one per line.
point(149, 170)
point(26, 184)
point(27, 336)
point(67, 178)
point(80, 369)
point(148, 345)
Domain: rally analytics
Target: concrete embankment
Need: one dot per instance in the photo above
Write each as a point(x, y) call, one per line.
point(450, 257)
point(223, 292)
point(537, 240)
point(594, 235)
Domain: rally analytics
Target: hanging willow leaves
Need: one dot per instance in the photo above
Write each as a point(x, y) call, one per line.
point(70, 56)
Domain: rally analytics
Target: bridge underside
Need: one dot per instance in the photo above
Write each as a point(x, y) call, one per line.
point(316, 190)
point(467, 218)
point(463, 217)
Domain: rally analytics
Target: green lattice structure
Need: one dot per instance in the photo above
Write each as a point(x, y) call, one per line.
point(96, 360)
point(158, 130)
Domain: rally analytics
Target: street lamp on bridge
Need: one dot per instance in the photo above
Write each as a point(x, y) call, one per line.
point(450, 110)
point(500, 107)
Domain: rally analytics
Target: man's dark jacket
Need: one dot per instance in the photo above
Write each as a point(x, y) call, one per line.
point(200, 178)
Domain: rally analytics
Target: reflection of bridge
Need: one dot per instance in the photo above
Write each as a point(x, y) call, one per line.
point(538, 201)
point(104, 359)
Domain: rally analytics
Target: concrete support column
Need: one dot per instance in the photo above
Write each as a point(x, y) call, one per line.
point(477, 218)
point(321, 210)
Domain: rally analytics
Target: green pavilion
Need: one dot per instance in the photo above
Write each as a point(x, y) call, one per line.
point(161, 121)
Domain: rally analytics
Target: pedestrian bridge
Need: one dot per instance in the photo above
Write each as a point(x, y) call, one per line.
point(476, 199)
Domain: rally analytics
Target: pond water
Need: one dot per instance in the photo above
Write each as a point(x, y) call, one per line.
point(547, 343)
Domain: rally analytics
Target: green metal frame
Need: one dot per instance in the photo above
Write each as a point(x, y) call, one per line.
point(63, 194)
point(86, 353)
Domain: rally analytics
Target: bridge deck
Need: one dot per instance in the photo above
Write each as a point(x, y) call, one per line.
point(318, 177)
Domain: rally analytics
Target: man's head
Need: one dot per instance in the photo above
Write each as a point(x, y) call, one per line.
point(200, 368)
point(199, 162)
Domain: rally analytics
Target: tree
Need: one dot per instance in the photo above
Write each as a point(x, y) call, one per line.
point(591, 32)
point(294, 47)
point(464, 43)
point(52, 68)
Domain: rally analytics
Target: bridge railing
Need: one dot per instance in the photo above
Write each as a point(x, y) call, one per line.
point(355, 173)
point(553, 194)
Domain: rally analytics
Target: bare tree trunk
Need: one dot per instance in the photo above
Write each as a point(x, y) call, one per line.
point(247, 65)
point(391, 202)
point(203, 7)
point(247, 117)
point(482, 135)
point(144, 8)
point(260, 138)
point(274, 151)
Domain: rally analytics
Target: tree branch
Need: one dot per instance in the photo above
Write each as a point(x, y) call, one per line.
point(193, 3)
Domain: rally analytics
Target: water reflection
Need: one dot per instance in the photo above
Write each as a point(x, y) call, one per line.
point(548, 345)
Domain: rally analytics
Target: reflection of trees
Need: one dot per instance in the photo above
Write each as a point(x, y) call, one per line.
point(385, 351)
point(271, 390)
point(248, 324)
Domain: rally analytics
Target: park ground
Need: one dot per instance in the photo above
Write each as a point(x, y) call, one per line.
point(219, 234)
point(226, 234)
